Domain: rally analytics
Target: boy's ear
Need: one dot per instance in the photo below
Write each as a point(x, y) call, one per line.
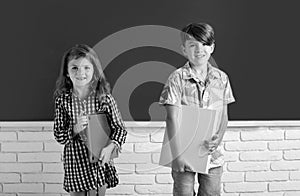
point(183, 50)
point(212, 48)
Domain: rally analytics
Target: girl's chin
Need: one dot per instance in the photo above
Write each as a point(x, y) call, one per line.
point(82, 85)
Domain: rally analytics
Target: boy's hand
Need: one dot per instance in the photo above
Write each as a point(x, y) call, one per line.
point(82, 122)
point(212, 144)
point(179, 165)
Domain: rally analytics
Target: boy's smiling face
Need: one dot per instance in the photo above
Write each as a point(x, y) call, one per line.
point(196, 52)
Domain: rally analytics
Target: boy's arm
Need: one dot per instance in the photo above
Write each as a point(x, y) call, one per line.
point(178, 164)
point(215, 141)
point(227, 99)
point(223, 125)
point(172, 127)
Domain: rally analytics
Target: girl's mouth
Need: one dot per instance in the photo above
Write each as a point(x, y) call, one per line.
point(80, 79)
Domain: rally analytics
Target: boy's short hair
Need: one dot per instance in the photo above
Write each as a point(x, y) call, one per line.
point(202, 32)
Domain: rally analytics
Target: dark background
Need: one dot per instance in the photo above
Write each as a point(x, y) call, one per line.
point(257, 45)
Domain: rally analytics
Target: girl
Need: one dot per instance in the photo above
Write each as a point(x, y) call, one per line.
point(82, 89)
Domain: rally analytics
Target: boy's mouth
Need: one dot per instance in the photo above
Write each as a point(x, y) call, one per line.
point(199, 56)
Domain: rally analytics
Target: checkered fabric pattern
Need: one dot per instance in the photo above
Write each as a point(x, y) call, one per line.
point(79, 173)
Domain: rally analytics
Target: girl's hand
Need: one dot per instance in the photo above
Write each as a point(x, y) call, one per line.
point(82, 122)
point(106, 153)
point(212, 144)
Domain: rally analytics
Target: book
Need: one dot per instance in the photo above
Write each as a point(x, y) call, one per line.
point(96, 136)
point(195, 125)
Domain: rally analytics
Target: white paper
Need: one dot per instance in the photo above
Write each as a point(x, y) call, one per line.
point(195, 125)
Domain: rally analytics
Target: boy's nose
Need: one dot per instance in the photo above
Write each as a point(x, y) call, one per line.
point(199, 48)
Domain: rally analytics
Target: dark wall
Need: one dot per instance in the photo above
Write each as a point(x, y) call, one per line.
point(257, 45)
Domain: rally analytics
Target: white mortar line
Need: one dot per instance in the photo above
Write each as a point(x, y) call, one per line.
point(282, 123)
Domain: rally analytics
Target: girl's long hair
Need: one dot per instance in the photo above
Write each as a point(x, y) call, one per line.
point(98, 83)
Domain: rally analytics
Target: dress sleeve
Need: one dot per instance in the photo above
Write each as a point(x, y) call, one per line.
point(119, 133)
point(62, 127)
point(171, 93)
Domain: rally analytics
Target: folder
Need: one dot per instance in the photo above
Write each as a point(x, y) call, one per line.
point(96, 136)
point(195, 125)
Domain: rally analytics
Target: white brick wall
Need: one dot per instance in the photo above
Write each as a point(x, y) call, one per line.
point(261, 160)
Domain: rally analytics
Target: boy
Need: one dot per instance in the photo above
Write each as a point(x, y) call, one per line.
point(200, 84)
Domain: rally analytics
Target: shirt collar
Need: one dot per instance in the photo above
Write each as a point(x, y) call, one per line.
point(212, 72)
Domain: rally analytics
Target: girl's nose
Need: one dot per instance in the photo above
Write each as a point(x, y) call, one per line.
point(80, 70)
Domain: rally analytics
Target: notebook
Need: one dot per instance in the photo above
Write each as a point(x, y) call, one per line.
point(195, 125)
point(96, 136)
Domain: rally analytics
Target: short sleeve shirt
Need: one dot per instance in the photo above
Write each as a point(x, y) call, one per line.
point(183, 87)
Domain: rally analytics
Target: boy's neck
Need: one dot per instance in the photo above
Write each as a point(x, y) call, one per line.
point(200, 69)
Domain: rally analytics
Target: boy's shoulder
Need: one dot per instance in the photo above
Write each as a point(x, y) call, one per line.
point(218, 73)
point(185, 72)
point(180, 72)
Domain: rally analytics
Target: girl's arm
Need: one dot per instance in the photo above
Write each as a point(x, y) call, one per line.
point(63, 130)
point(119, 133)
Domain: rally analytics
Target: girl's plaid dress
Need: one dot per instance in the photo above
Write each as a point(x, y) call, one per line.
point(79, 173)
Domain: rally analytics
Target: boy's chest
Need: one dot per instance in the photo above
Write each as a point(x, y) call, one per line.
point(208, 94)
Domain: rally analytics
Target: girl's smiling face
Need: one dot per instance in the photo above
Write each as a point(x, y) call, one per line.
point(81, 72)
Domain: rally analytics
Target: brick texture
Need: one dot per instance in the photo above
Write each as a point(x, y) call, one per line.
point(258, 161)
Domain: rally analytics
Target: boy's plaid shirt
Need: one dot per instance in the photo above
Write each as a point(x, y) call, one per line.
point(184, 88)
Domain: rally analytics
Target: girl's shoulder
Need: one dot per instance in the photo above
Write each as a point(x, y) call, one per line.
point(107, 98)
point(62, 97)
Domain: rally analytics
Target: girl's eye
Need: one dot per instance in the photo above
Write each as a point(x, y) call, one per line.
point(74, 68)
point(87, 68)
